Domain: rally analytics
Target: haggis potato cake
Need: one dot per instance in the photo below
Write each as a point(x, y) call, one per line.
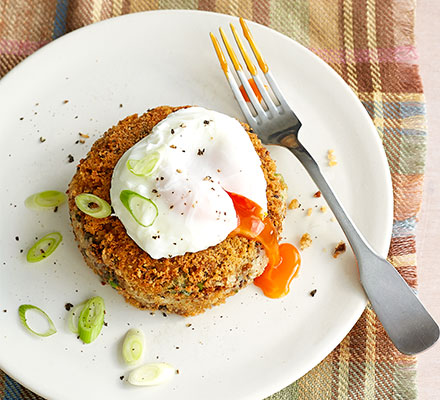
point(193, 194)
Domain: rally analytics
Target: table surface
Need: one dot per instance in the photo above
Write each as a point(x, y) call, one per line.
point(428, 230)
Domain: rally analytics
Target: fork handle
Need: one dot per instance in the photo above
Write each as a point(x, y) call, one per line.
point(409, 326)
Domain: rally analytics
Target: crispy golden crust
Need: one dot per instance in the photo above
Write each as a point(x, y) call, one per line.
point(187, 284)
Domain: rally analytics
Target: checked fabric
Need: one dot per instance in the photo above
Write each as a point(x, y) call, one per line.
point(370, 43)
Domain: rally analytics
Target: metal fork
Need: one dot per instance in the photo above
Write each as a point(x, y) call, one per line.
point(408, 324)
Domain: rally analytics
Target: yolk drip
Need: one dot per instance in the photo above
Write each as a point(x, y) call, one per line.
point(284, 259)
point(275, 280)
point(254, 88)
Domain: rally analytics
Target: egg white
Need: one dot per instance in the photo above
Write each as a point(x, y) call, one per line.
point(203, 154)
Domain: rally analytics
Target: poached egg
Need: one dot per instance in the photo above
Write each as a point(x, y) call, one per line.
point(170, 190)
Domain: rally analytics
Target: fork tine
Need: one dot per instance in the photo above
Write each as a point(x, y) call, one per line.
point(250, 39)
point(247, 87)
point(234, 87)
point(253, 71)
point(264, 67)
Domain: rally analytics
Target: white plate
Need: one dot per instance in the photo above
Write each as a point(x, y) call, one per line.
point(247, 348)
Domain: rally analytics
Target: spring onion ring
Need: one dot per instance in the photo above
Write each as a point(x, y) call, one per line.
point(133, 346)
point(73, 317)
point(143, 210)
point(91, 319)
point(93, 205)
point(44, 247)
point(151, 374)
point(113, 284)
point(22, 314)
point(145, 166)
point(47, 199)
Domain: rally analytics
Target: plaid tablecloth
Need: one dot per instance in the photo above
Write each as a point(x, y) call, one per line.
point(370, 43)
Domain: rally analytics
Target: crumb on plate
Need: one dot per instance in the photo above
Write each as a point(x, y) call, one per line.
point(339, 249)
point(331, 158)
point(305, 241)
point(293, 204)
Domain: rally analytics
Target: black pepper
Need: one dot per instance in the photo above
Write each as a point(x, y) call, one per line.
point(68, 306)
point(70, 158)
point(313, 292)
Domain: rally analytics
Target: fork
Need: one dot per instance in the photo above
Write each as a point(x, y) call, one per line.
point(408, 324)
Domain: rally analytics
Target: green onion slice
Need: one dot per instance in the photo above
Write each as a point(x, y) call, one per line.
point(44, 247)
point(143, 210)
point(47, 199)
point(281, 177)
point(151, 374)
point(73, 317)
point(145, 166)
point(93, 205)
point(91, 319)
point(113, 284)
point(22, 314)
point(133, 346)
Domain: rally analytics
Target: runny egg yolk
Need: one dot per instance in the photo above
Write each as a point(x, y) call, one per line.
point(284, 259)
point(254, 88)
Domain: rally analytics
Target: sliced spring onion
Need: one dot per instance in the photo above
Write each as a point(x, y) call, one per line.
point(280, 175)
point(44, 247)
point(133, 346)
point(91, 319)
point(143, 210)
point(151, 374)
point(22, 314)
point(113, 284)
point(283, 181)
point(47, 199)
point(145, 166)
point(93, 205)
point(73, 317)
